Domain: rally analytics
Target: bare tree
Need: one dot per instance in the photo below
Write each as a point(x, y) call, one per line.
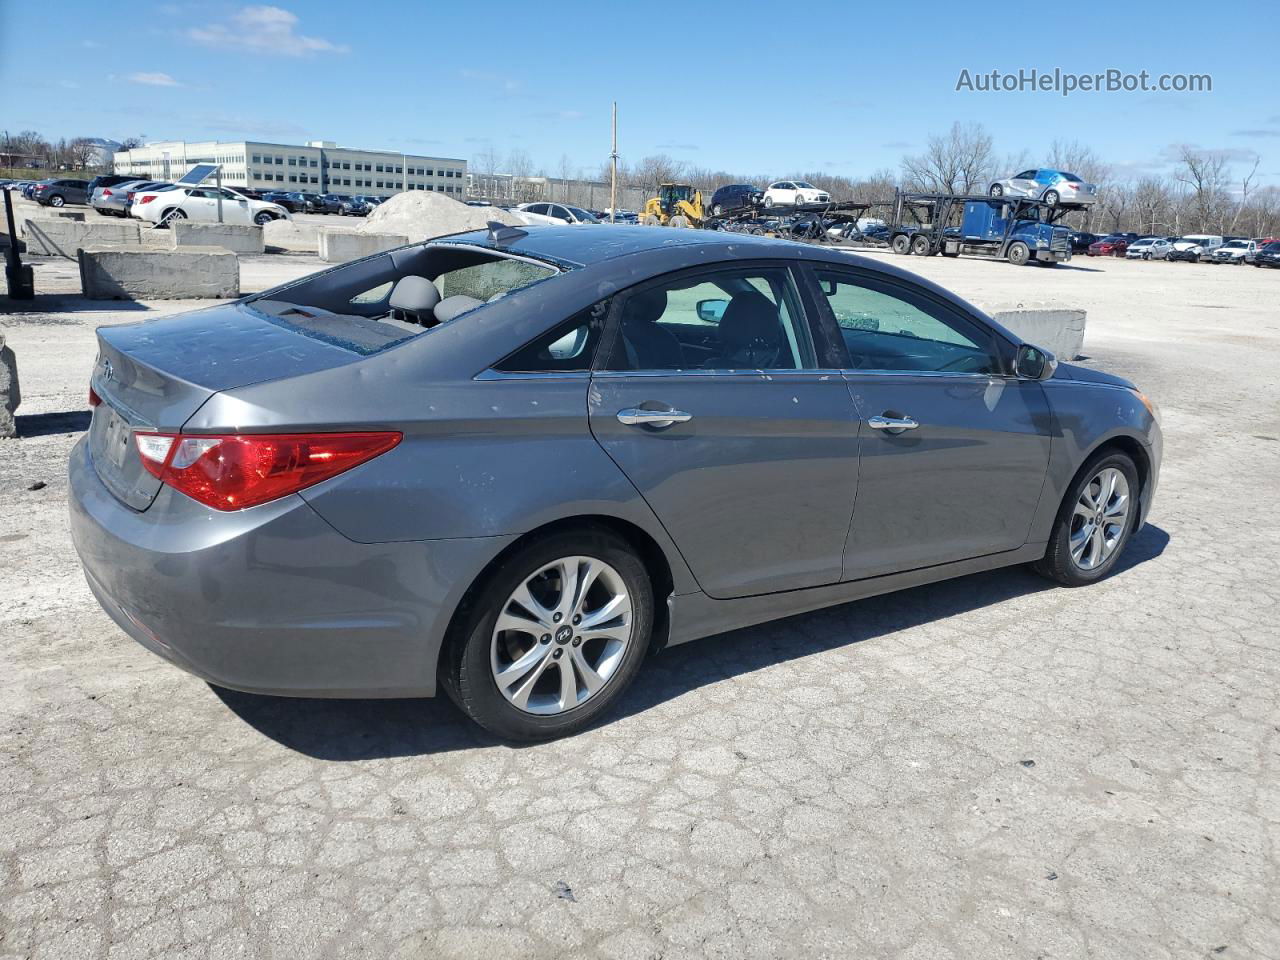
point(1151, 201)
point(1204, 173)
point(1246, 183)
point(956, 163)
point(653, 170)
point(519, 163)
point(487, 161)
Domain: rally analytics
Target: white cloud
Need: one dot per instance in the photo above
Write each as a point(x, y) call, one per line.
point(153, 80)
point(263, 30)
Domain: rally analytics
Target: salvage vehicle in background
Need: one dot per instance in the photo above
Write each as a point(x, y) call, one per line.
point(1268, 256)
point(553, 213)
point(651, 436)
point(1235, 251)
point(1051, 186)
point(1112, 245)
point(293, 202)
point(1195, 247)
point(353, 207)
point(112, 201)
point(162, 206)
point(57, 193)
point(1081, 240)
point(734, 195)
point(791, 193)
point(1148, 248)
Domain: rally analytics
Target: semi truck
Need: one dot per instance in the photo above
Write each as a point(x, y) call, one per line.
point(1015, 229)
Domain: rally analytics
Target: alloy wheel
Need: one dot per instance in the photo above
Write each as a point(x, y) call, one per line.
point(561, 635)
point(1100, 519)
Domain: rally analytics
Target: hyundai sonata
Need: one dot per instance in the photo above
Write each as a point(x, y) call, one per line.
point(510, 464)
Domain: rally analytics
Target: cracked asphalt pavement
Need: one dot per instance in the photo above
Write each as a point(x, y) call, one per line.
point(990, 767)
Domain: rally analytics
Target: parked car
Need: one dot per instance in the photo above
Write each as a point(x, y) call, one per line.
point(1268, 256)
point(733, 196)
point(57, 193)
point(1051, 186)
point(1148, 248)
point(244, 511)
point(1081, 240)
point(28, 188)
point(794, 193)
point(163, 206)
point(553, 213)
point(112, 180)
point(353, 207)
point(1194, 247)
point(1234, 251)
point(113, 200)
point(1112, 245)
point(320, 203)
point(293, 202)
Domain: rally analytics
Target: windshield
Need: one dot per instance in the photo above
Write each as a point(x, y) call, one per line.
point(1236, 244)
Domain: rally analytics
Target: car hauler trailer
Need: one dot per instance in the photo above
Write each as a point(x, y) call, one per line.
point(1011, 228)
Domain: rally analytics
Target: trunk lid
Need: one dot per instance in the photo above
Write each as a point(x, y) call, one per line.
point(155, 374)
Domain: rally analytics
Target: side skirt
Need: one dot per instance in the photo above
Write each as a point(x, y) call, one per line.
point(695, 615)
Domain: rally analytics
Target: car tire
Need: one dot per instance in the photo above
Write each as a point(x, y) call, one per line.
point(56, 200)
point(1146, 256)
point(920, 246)
point(1069, 542)
point(263, 218)
point(171, 215)
point(678, 221)
point(651, 220)
point(996, 190)
point(478, 651)
point(1018, 254)
point(1051, 197)
point(901, 244)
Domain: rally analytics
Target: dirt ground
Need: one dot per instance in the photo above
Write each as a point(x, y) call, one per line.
point(990, 767)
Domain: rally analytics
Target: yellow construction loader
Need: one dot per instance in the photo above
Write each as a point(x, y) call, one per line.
point(676, 205)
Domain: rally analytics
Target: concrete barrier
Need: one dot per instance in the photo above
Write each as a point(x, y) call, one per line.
point(60, 237)
point(62, 213)
point(10, 395)
point(146, 273)
point(1057, 329)
point(236, 237)
point(339, 244)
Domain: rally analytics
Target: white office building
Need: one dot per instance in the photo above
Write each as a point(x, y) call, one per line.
point(318, 167)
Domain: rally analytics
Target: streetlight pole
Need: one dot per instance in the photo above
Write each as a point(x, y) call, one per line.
point(613, 173)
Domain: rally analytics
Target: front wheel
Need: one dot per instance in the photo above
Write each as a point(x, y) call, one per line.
point(1019, 253)
point(651, 220)
point(263, 219)
point(679, 220)
point(1094, 522)
point(554, 636)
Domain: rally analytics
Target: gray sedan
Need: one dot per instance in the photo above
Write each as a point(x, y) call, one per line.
point(511, 464)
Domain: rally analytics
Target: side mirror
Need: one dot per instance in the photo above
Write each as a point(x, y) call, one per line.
point(1034, 363)
point(710, 311)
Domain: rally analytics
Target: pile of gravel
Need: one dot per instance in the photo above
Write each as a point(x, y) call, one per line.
point(422, 215)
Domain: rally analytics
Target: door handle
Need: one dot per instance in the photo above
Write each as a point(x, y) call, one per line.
point(892, 424)
point(638, 416)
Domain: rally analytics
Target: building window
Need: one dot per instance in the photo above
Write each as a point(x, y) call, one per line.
point(257, 158)
point(293, 178)
point(314, 163)
point(279, 161)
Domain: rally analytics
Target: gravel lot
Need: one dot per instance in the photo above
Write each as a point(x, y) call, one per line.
point(984, 768)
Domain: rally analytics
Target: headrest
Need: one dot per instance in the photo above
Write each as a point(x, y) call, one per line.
point(454, 306)
point(646, 306)
point(416, 295)
point(750, 320)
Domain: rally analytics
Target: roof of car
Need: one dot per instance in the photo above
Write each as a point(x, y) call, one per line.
point(586, 245)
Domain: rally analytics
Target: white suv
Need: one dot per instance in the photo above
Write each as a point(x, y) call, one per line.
point(792, 193)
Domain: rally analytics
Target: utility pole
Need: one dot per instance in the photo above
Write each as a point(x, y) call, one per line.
point(613, 175)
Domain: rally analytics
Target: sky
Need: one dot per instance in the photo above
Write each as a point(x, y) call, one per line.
point(765, 89)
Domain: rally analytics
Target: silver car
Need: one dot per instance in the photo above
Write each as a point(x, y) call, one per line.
point(1051, 186)
point(511, 464)
point(114, 200)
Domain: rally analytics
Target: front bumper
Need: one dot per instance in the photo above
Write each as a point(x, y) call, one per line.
point(271, 599)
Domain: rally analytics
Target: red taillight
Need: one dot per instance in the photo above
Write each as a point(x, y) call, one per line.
point(94, 399)
point(237, 471)
point(148, 198)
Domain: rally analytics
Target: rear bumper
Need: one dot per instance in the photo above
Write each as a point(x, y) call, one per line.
point(272, 599)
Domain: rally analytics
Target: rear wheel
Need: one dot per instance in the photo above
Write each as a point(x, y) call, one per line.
point(1094, 522)
point(920, 246)
point(56, 200)
point(553, 637)
point(901, 244)
point(172, 215)
point(1051, 197)
point(1019, 253)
